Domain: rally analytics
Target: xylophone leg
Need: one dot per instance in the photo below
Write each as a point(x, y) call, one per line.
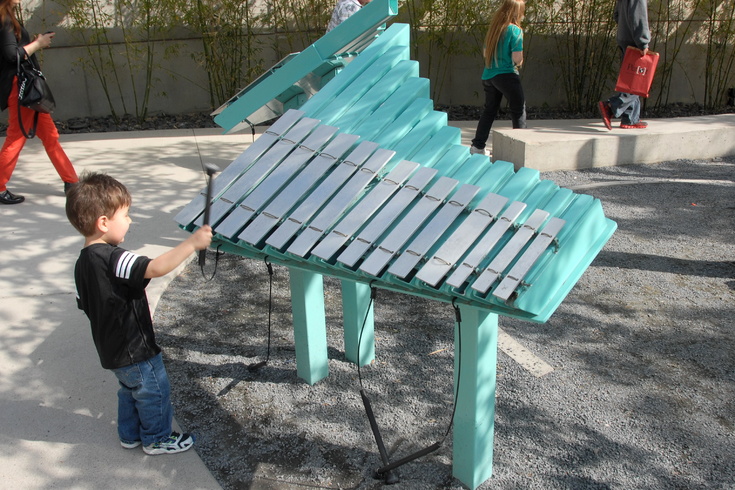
point(309, 323)
point(356, 311)
point(474, 421)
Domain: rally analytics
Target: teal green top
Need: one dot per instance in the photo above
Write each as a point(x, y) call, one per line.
point(509, 42)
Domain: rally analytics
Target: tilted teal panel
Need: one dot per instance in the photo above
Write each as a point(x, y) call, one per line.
point(473, 167)
point(396, 35)
point(380, 109)
point(439, 143)
point(422, 132)
point(390, 110)
point(349, 33)
point(493, 178)
point(586, 232)
point(352, 93)
point(355, 34)
point(399, 128)
point(364, 106)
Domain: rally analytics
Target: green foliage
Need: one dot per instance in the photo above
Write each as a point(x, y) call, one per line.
point(709, 24)
point(675, 35)
point(127, 30)
point(443, 29)
point(584, 35)
point(237, 36)
point(296, 24)
point(230, 47)
point(719, 28)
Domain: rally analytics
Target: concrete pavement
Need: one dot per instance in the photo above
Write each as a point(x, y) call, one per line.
point(58, 406)
point(573, 144)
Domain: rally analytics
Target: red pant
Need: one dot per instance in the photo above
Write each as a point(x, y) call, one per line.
point(14, 141)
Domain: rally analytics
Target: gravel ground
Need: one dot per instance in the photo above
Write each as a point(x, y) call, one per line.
point(642, 392)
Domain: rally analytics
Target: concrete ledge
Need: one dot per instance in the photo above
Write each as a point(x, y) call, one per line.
point(575, 144)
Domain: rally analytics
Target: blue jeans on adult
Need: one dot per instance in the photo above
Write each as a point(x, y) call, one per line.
point(144, 411)
point(506, 85)
point(626, 106)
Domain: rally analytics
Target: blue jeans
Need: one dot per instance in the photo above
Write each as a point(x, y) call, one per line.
point(144, 411)
point(627, 107)
point(508, 85)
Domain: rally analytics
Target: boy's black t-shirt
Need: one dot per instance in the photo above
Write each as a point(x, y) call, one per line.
point(111, 285)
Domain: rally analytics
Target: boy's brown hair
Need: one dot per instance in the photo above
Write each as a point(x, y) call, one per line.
point(95, 195)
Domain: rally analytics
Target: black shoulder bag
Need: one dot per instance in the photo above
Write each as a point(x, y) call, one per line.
point(33, 92)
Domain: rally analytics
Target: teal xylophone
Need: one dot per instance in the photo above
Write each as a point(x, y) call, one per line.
point(365, 182)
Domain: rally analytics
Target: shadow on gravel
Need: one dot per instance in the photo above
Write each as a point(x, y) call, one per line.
point(642, 394)
point(657, 263)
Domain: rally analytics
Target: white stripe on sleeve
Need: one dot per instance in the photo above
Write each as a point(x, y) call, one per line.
point(125, 264)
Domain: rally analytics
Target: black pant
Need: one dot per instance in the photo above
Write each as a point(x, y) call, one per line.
point(508, 85)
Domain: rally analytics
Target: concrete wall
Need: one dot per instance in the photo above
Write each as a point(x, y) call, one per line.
point(180, 84)
point(542, 77)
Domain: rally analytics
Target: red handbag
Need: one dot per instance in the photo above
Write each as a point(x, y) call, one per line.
point(636, 72)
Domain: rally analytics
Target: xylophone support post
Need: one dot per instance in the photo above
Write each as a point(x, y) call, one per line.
point(474, 422)
point(357, 309)
point(309, 323)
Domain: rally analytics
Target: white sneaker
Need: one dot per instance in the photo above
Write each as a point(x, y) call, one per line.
point(176, 443)
point(477, 151)
point(129, 445)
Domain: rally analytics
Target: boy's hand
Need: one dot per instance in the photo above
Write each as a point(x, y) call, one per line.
point(202, 237)
point(165, 263)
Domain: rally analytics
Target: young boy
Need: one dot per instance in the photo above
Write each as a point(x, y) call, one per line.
point(111, 285)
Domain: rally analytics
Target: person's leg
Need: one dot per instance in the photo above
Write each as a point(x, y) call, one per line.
point(510, 85)
point(492, 102)
point(632, 112)
point(128, 422)
point(626, 105)
point(154, 402)
point(14, 139)
point(149, 387)
point(621, 105)
point(49, 135)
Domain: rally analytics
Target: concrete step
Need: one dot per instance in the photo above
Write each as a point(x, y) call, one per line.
point(575, 144)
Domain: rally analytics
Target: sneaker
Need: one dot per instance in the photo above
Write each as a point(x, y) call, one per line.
point(176, 443)
point(638, 125)
point(7, 197)
point(129, 445)
point(606, 113)
point(477, 151)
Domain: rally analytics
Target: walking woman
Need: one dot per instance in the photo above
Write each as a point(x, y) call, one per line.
point(15, 41)
point(503, 55)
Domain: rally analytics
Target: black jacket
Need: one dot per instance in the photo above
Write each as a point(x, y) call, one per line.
point(111, 290)
point(9, 49)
